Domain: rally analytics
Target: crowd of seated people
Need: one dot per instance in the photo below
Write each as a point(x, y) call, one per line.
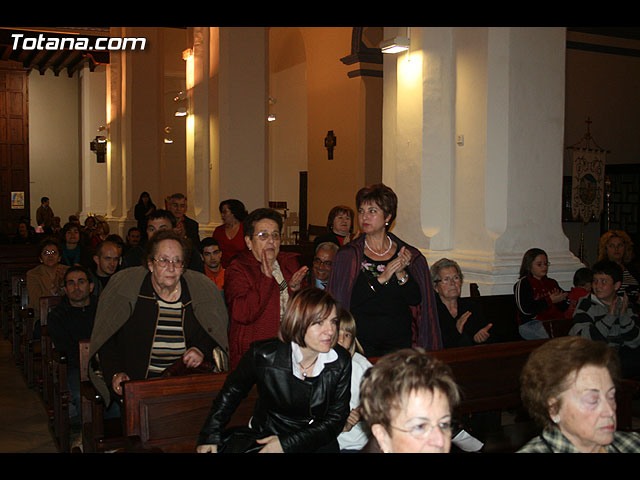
point(164, 294)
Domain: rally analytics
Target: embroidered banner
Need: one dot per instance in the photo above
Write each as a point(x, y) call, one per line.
point(588, 184)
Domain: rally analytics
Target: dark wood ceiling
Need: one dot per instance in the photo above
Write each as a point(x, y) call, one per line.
point(66, 60)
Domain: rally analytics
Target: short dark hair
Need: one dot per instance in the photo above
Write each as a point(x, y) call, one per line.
point(236, 207)
point(582, 276)
point(257, 215)
point(337, 210)
point(382, 196)
point(607, 267)
point(44, 199)
point(162, 213)
point(68, 226)
point(77, 268)
point(133, 229)
point(528, 258)
point(208, 242)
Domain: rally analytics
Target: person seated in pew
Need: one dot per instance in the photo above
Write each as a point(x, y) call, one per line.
point(74, 251)
point(353, 438)
point(303, 380)
point(617, 246)
point(340, 224)
point(47, 278)
point(322, 263)
point(568, 386)
point(407, 399)
point(69, 322)
point(230, 235)
point(462, 323)
point(259, 282)
point(150, 316)
point(537, 296)
point(24, 235)
point(582, 279)
point(605, 316)
point(212, 258)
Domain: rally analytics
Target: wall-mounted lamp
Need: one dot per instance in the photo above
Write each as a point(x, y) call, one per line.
point(271, 117)
point(167, 135)
point(99, 146)
point(397, 44)
point(181, 112)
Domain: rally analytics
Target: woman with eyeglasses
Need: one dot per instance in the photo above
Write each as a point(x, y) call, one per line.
point(385, 282)
point(406, 400)
point(537, 296)
point(462, 323)
point(47, 278)
point(259, 282)
point(150, 316)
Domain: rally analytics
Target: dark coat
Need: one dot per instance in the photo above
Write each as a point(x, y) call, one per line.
point(306, 415)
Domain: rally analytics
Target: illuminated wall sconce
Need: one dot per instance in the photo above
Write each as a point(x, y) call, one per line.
point(397, 44)
point(181, 112)
point(99, 144)
point(271, 118)
point(167, 135)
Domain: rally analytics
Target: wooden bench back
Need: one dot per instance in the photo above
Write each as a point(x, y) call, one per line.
point(168, 413)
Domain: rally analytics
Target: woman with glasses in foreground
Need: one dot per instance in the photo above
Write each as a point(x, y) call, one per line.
point(406, 400)
point(259, 282)
point(150, 316)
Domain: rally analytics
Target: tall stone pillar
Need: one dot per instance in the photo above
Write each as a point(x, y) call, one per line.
point(473, 146)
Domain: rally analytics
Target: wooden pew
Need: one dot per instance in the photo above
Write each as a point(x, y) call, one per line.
point(14, 260)
point(98, 434)
point(489, 379)
point(167, 414)
point(46, 346)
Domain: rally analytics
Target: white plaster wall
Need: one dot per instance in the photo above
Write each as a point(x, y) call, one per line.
point(54, 143)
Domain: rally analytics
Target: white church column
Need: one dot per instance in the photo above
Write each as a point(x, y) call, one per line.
point(473, 139)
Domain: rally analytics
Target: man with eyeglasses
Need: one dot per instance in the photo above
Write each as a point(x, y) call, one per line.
point(68, 323)
point(322, 263)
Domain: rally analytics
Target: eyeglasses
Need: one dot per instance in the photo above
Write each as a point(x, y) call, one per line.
point(165, 262)
point(450, 280)
point(49, 252)
point(326, 263)
point(423, 430)
point(264, 236)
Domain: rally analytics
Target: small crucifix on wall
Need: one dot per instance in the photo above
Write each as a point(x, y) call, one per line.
point(330, 143)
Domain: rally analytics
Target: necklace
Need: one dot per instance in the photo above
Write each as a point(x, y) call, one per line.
point(376, 253)
point(304, 369)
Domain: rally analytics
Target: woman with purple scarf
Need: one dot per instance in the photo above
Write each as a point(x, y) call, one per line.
point(384, 282)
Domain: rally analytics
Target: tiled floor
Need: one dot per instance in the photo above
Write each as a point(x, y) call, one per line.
point(24, 426)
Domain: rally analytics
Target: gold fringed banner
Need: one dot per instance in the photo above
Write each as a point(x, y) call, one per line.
point(588, 184)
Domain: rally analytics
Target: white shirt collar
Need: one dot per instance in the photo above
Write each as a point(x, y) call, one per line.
point(296, 358)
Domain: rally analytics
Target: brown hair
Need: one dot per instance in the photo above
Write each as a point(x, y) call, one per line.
point(306, 307)
point(382, 196)
point(337, 210)
point(549, 367)
point(387, 384)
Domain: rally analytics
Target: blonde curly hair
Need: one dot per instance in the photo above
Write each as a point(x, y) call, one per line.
point(606, 238)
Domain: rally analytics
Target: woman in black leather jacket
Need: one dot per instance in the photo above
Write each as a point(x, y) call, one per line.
point(303, 380)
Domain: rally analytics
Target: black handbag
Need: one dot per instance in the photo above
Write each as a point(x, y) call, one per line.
point(240, 440)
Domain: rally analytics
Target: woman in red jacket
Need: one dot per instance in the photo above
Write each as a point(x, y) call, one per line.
point(259, 282)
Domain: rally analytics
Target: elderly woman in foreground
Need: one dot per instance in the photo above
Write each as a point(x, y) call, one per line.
point(568, 387)
point(461, 321)
point(150, 316)
point(406, 400)
point(303, 381)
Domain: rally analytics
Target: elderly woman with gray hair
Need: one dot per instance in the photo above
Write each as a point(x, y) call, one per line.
point(461, 321)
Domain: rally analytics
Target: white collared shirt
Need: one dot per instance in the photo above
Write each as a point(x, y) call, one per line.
point(296, 358)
